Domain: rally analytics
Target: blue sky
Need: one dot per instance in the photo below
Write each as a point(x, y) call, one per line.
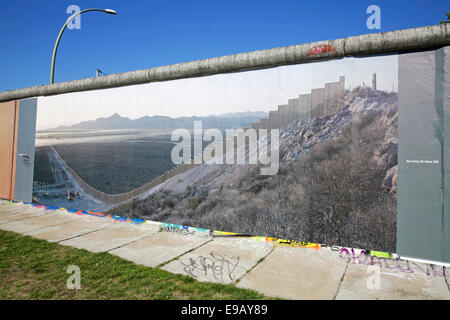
point(152, 33)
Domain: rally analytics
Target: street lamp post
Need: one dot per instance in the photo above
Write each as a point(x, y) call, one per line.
point(52, 71)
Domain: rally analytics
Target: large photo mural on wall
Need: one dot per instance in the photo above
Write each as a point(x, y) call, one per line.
point(303, 152)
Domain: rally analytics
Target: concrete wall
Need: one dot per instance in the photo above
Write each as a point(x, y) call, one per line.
point(273, 120)
point(264, 123)
point(304, 105)
point(427, 214)
point(283, 115)
point(374, 43)
point(341, 90)
point(317, 102)
point(320, 102)
point(293, 108)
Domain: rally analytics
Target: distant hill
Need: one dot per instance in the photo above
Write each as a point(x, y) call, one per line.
point(226, 120)
point(247, 114)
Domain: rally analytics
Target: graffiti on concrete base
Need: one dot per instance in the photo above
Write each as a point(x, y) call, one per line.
point(184, 230)
point(216, 265)
point(174, 228)
point(81, 212)
point(277, 242)
point(393, 264)
point(297, 244)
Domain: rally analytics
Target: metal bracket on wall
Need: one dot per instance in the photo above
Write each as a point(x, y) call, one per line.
point(26, 158)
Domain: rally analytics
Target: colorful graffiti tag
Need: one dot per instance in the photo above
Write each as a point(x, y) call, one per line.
point(81, 212)
point(406, 266)
point(321, 49)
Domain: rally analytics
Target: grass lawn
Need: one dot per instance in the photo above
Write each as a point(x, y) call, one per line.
point(36, 269)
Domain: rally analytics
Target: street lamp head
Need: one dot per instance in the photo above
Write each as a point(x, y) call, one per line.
point(110, 11)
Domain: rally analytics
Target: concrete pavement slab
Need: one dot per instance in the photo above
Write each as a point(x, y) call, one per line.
point(117, 235)
point(8, 206)
point(9, 216)
point(374, 282)
point(15, 209)
point(159, 248)
point(39, 222)
point(79, 226)
point(4, 203)
point(223, 260)
point(297, 273)
point(20, 208)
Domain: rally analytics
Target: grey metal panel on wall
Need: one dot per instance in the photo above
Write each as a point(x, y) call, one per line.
point(421, 229)
point(25, 150)
point(446, 152)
